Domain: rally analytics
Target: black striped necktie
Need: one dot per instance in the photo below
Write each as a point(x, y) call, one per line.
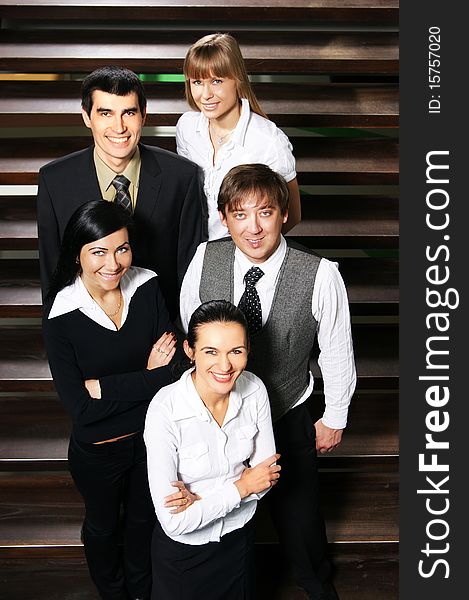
point(122, 197)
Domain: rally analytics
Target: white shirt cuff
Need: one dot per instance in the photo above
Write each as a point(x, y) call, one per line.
point(335, 418)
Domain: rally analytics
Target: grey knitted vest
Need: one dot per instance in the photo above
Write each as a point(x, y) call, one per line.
point(280, 351)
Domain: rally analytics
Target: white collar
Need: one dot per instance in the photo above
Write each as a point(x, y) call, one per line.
point(76, 297)
point(239, 132)
point(189, 403)
point(271, 265)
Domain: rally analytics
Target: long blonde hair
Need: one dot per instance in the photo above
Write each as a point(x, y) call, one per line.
point(218, 55)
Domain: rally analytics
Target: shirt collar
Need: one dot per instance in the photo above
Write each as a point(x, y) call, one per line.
point(76, 297)
point(189, 403)
point(106, 174)
point(240, 130)
point(271, 265)
point(70, 298)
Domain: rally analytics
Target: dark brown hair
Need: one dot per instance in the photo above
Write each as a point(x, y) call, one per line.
point(256, 179)
point(215, 311)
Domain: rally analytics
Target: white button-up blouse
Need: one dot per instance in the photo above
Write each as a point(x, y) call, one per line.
point(254, 140)
point(184, 442)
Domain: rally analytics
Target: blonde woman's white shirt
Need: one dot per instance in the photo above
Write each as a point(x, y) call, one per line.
point(184, 442)
point(255, 140)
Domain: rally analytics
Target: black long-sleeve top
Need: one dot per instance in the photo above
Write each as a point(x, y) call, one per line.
point(78, 348)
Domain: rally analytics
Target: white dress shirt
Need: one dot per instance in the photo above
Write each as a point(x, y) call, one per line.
point(329, 306)
point(254, 140)
point(76, 296)
point(184, 442)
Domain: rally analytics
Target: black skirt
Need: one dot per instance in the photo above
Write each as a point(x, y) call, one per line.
point(215, 571)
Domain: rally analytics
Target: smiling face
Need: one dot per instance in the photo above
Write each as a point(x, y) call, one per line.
point(216, 97)
point(220, 355)
point(255, 226)
point(116, 124)
point(104, 262)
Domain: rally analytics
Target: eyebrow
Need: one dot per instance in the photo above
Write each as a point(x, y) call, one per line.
point(129, 109)
point(208, 77)
point(104, 248)
point(214, 348)
point(262, 207)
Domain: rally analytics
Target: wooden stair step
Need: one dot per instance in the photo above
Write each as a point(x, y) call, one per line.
point(18, 226)
point(37, 429)
point(47, 574)
point(376, 357)
point(163, 51)
point(33, 428)
point(360, 570)
point(372, 427)
point(57, 103)
point(330, 11)
point(23, 364)
point(319, 160)
point(61, 574)
point(339, 161)
point(372, 286)
point(44, 508)
point(20, 301)
point(357, 507)
point(336, 242)
point(356, 464)
point(348, 222)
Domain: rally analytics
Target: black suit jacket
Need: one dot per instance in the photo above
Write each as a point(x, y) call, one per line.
point(170, 213)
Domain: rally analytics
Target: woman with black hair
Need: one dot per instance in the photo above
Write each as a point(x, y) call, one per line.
point(210, 436)
point(109, 342)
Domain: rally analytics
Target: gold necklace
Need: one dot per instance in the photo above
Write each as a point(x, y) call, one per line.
point(113, 314)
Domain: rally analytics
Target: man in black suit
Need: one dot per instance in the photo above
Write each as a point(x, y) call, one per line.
point(162, 190)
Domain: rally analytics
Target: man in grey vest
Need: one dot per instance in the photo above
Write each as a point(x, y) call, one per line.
point(289, 295)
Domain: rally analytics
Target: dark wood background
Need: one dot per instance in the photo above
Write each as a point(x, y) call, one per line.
point(326, 72)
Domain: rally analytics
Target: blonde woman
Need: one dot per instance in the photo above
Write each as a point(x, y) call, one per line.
point(227, 127)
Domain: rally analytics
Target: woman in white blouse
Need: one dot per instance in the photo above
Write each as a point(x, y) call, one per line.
point(210, 436)
point(227, 127)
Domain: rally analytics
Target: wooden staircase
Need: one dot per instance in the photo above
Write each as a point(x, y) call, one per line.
point(326, 72)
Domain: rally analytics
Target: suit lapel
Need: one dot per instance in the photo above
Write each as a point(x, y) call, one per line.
point(87, 185)
point(149, 184)
point(81, 185)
